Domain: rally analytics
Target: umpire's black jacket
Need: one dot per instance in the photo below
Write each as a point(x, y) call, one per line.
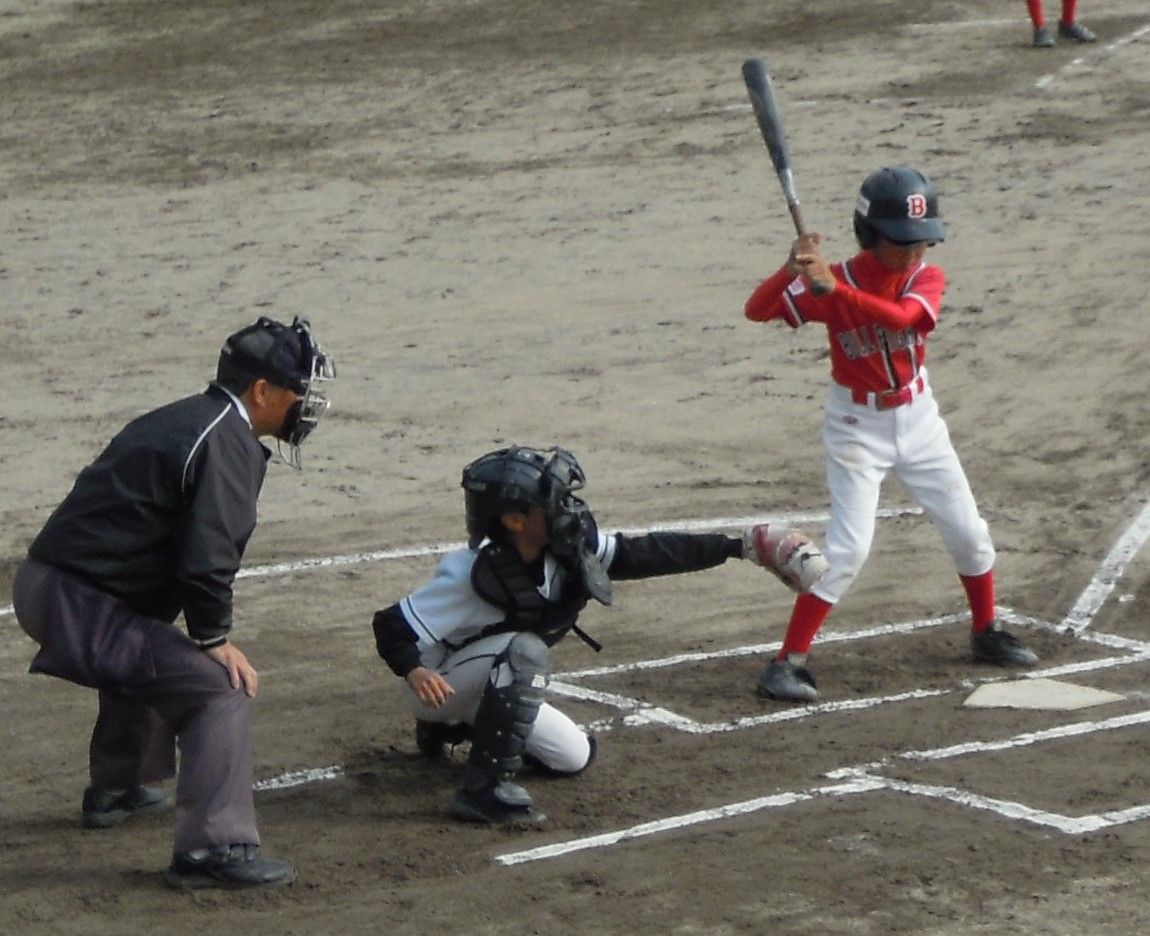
point(162, 517)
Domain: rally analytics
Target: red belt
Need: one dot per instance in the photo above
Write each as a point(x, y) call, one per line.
point(888, 399)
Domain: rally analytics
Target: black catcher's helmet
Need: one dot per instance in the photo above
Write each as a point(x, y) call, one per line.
point(900, 204)
point(518, 478)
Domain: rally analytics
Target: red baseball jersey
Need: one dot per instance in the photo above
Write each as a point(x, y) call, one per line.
point(877, 319)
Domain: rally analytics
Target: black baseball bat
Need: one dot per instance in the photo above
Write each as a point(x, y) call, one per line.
point(766, 108)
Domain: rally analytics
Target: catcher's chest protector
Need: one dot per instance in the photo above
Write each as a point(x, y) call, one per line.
point(501, 579)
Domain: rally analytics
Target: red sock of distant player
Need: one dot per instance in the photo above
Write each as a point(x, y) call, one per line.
point(980, 596)
point(807, 617)
point(1069, 11)
point(1036, 15)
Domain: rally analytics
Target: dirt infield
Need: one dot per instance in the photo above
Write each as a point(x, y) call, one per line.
point(525, 221)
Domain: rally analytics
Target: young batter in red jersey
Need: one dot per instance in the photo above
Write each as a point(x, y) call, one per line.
point(880, 416)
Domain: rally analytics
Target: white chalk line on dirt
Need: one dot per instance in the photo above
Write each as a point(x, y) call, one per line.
point(436, 549)
point(1111, 569)
point(861, 780)
point(1076, 63)
point(860, 785)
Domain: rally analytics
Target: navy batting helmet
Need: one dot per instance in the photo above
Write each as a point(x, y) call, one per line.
point(900, 204)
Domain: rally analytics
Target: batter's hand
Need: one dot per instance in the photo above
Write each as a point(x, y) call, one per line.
point(429, 687)
point(806, 260)
point(240, 671)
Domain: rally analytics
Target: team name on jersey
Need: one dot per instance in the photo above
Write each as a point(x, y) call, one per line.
point(872, 339)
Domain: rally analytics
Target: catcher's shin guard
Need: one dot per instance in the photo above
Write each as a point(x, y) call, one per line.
point(503, 722)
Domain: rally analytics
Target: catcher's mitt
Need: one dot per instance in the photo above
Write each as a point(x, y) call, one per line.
point(789, 554)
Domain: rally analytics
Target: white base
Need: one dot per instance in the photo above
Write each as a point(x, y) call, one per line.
point(1044, 694)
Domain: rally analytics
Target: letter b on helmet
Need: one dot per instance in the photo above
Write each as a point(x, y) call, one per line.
point(900, 204)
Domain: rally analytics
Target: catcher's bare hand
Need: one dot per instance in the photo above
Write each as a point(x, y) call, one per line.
point(790, 555)
point(429, 687)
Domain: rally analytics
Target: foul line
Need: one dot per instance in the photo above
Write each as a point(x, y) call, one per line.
point(1104, 580)
point(1134, 36)
point(436, 549)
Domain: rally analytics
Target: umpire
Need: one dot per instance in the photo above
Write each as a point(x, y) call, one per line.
point(156, 526)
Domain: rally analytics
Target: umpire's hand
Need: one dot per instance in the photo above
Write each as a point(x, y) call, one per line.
point(240, 671)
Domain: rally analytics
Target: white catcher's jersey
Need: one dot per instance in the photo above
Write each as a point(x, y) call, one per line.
point(448, 611)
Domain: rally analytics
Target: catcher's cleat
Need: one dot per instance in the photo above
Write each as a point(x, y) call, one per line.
point(103, 809)
point(432, 737)
point(502, 803)
point(786, 682)
point(1075, 32)
point(1043, 38)
point(995, 645)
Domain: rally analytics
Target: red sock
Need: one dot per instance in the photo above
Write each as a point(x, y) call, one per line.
point(1036, 14)
point(980, 597)
point(1069, 11)
point(807, 617)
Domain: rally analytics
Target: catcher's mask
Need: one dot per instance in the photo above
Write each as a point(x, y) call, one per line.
point(519, 478)
point(900, 204)
point(289, 357)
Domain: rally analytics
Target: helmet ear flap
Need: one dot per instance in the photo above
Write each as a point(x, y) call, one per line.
point(866, 234)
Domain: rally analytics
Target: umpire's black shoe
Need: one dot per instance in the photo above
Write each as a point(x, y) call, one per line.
point(233, 866)
point(431, 737)
point(501, 803)
point(994, 645)
point(103, 809)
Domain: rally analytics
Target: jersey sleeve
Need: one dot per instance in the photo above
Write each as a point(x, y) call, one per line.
point(666, 553)
point(917, 306)
point(447, 609)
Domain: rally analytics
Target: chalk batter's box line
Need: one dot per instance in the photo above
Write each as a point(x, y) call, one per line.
point(854, 780)
point(637, 712)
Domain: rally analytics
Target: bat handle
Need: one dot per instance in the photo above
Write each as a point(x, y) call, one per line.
point(817, 288)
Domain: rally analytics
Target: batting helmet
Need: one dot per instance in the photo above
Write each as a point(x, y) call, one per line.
point(518, 478)
point(900, 204)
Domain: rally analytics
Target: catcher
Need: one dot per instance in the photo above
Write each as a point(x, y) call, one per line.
point(473, 643)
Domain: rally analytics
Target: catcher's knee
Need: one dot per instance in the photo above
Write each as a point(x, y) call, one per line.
point(569, 762)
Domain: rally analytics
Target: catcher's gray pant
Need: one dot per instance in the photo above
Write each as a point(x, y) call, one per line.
point(863, 444)
point(555, 740)
point(157, 689)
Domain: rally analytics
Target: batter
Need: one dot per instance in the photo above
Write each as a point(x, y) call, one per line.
point(880, 414)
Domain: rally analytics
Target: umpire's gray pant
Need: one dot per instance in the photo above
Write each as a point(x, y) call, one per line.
point(157, 689)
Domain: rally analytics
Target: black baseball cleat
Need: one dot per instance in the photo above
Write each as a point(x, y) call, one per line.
point(432, 737)
point(233, 866)
point(1076, 32)
point(103, 809)
point(994, 645)
point(785, 681)
point(1044, 38)
point(503, 803)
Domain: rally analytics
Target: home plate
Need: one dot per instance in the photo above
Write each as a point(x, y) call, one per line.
point(1047, 694)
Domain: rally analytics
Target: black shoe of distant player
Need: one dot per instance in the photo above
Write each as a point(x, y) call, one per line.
point(1044, 38)
point(233, 867)
point(994, 645)
point(502, 803)
point(432, 737)
point(1076, 32)
point(103, 809)
point(785, 681)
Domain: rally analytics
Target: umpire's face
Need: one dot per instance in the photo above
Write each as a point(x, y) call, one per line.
point(268, 406)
